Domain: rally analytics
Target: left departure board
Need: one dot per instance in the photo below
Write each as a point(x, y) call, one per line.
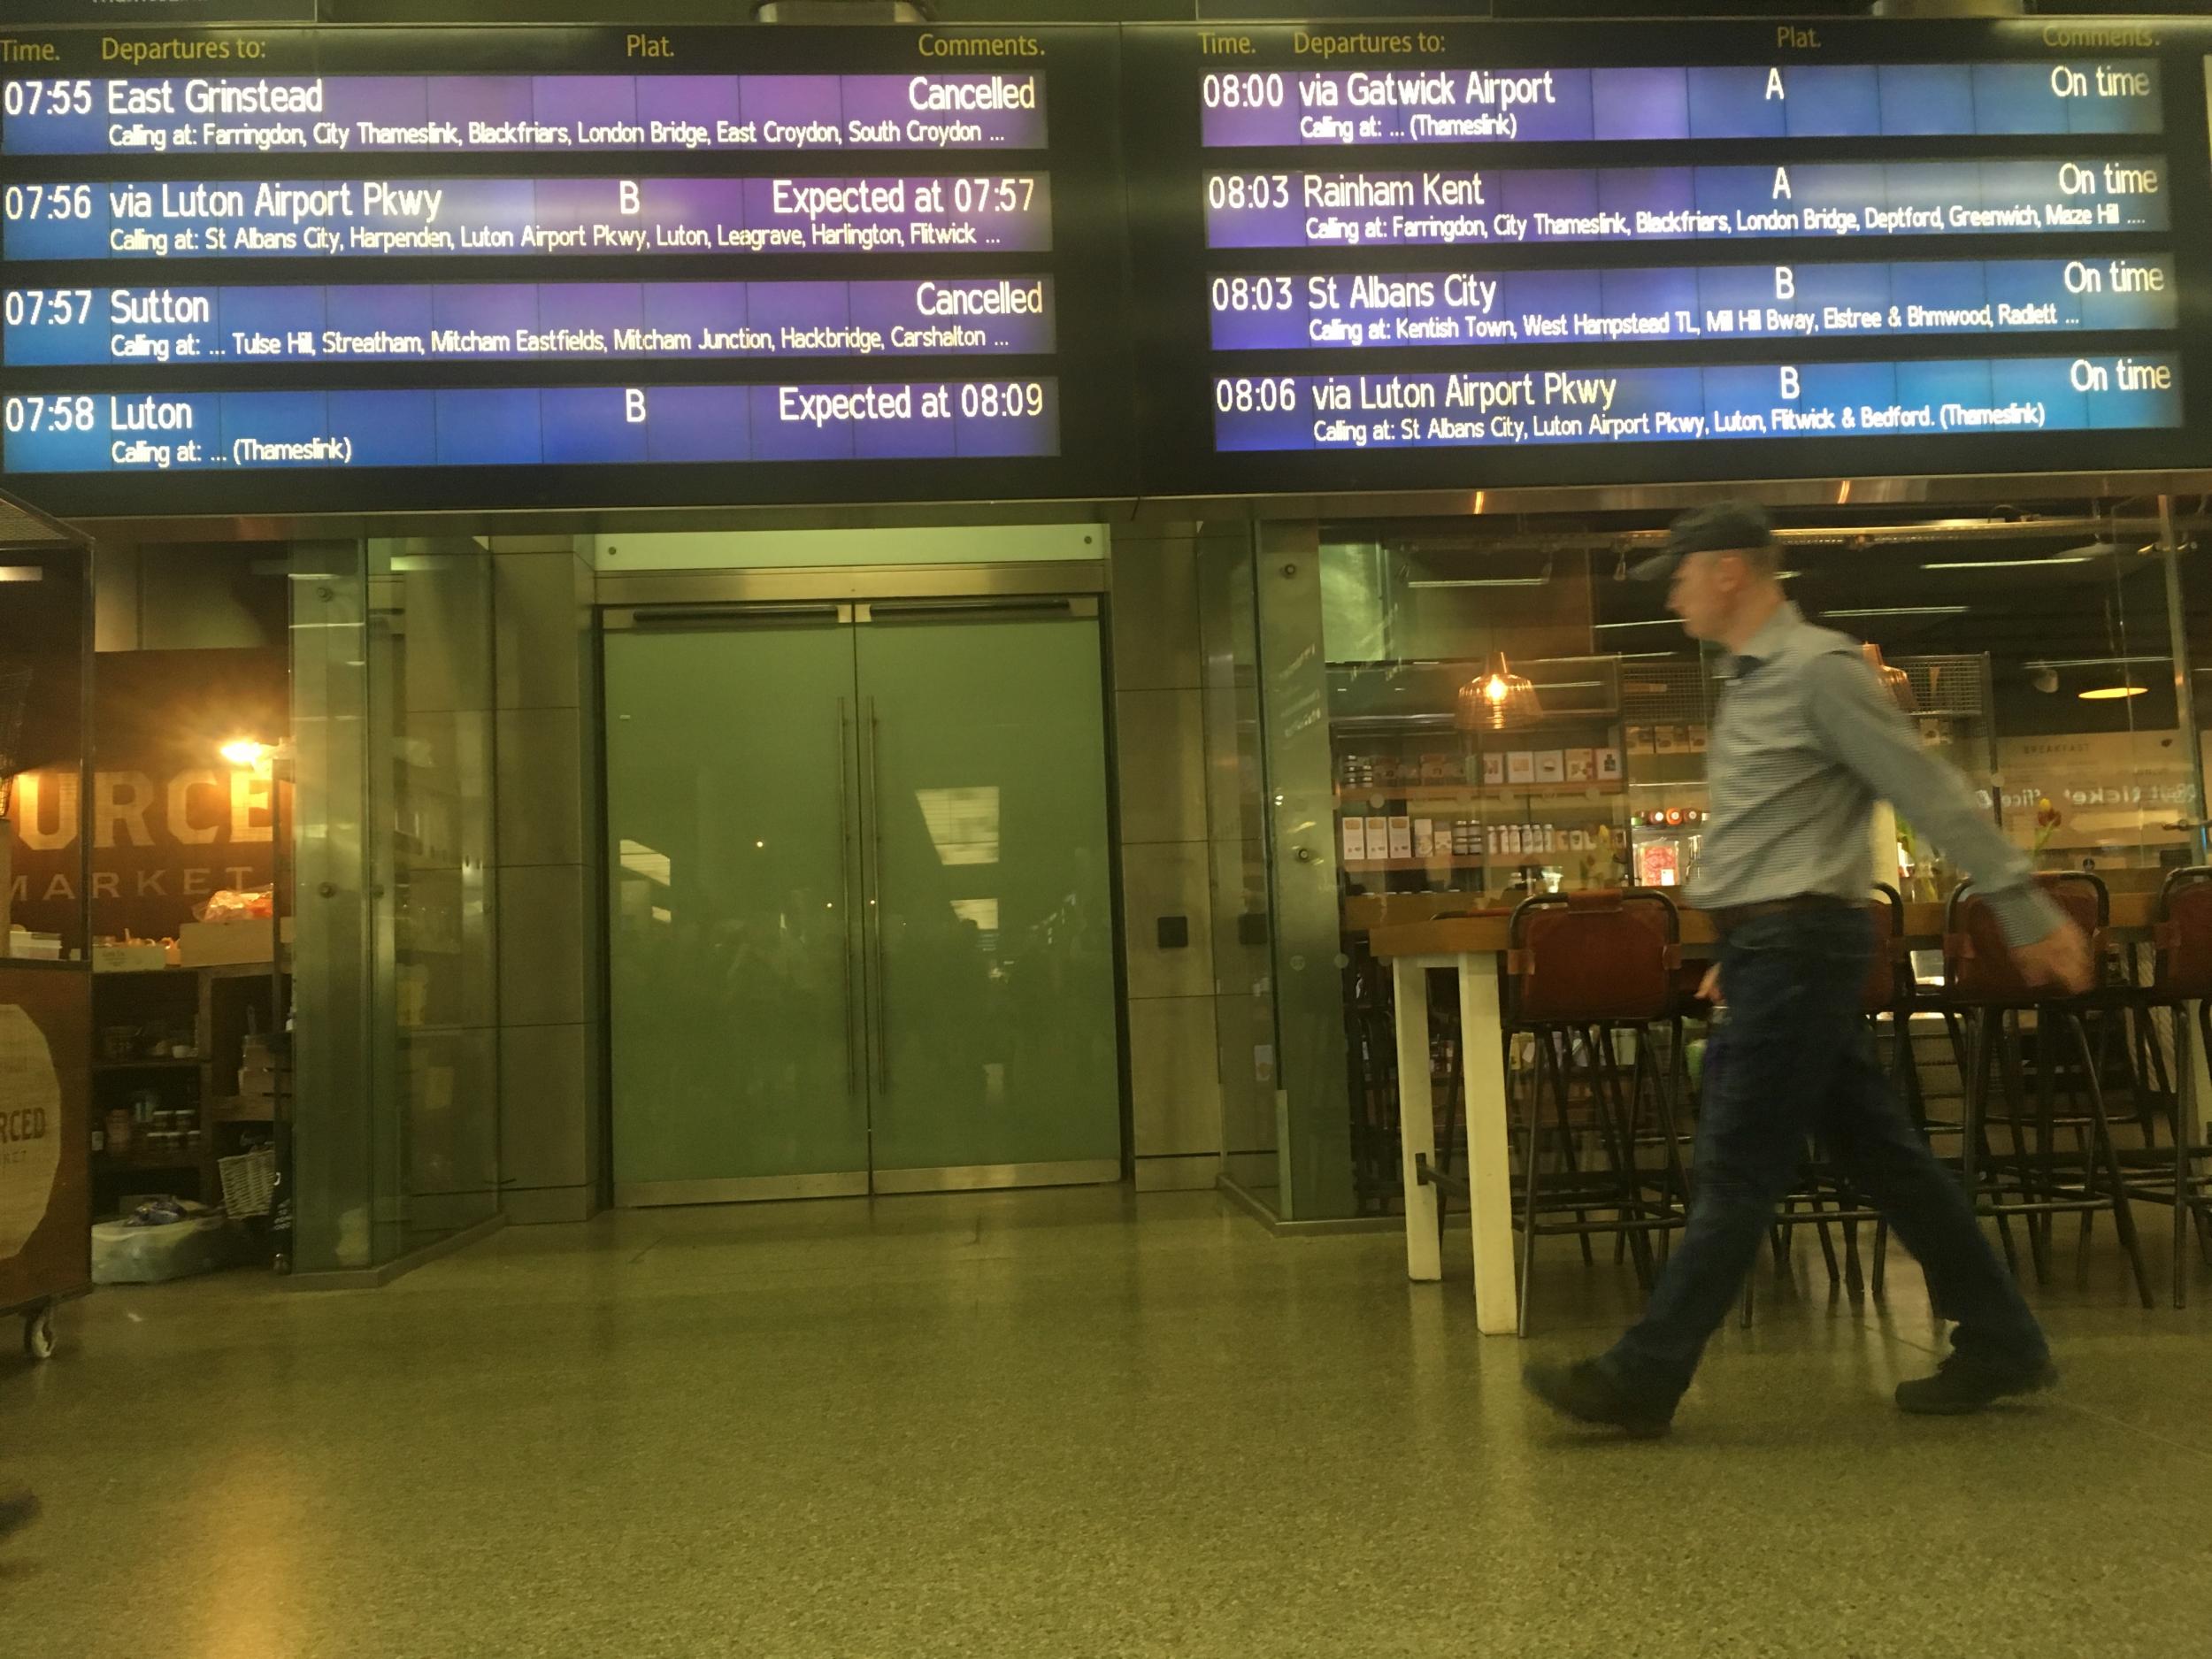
point(490, 268)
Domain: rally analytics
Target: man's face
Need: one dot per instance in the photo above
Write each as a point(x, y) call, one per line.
point(1704, 593)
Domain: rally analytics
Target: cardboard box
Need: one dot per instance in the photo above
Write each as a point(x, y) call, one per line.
point(1520, 766)
point(225, 944)
point(1354, 838)
point(1551, 765)
point(128, 958)
point(1581, 763)
point(1400, 835)
point(1493, 769)
point(1608, 764)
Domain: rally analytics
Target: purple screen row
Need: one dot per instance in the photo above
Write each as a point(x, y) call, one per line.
point(486, 114)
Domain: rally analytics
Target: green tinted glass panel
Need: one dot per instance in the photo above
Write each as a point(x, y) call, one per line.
point(729, 794)
point(993, 976)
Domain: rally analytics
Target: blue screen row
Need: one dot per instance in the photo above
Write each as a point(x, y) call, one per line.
point(575, 426)
point(1426, 104)
point(1280, 208)
point(1814, 400)
point(1275, 311)
point(448, 322)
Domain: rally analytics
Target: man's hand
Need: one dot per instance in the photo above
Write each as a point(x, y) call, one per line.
point(2060, 958)
point(1708, 988)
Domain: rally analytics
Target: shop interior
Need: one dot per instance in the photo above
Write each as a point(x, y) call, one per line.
point(1510, 713)
point(248, 699)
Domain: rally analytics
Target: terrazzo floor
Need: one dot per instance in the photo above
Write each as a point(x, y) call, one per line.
point(1079, 1424)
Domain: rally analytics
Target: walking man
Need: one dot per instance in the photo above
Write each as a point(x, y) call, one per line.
point(1806, 742)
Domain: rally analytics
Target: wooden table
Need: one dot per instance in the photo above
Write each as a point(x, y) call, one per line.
point(1473, 948)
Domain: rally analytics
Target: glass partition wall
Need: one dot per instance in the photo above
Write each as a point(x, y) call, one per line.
point(1508, 713)
point(396, 1137)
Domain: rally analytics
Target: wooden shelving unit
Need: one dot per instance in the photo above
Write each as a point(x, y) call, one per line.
point(1478, 792)
point(211, 1011)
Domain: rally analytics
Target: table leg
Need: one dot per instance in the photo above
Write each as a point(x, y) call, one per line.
point(1489, 1147)
point(2191, 1088)
point(1417, 1116)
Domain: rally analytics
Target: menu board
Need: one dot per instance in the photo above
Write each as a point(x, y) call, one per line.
point(1401, 256)
point(519, 267)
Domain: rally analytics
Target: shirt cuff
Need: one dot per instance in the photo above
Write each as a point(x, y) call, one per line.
point(2027, 914)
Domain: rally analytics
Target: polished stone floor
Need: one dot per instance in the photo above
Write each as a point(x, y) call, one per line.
point(1076, 1424)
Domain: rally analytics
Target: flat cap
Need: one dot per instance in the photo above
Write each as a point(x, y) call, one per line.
point(1724, 527)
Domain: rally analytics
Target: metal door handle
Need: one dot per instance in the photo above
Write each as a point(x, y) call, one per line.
point(881, 1022)
point(845, 894)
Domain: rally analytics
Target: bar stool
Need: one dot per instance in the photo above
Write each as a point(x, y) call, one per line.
point(1581, 970)
point(1985, 993)
point(2183, 975)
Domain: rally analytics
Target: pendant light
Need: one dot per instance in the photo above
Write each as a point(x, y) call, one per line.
point(1896, 682)
point(2116, 693)
point(1498, 699)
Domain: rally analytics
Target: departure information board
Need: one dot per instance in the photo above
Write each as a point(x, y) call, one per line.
point(1444, 256)
point(298, 269)
point(511, 267)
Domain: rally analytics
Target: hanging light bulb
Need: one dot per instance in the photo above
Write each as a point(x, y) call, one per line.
point(1896, 682)
point(1498, 699)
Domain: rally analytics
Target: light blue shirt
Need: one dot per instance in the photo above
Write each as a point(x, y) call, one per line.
point(1806, 742)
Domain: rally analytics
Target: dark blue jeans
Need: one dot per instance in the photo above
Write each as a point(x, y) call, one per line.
point(1792, 1057)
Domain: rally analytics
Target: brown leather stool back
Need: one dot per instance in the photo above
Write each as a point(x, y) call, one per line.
point(1977, 958)
point(2185, 934)
point(1580, 958)
point(1888, 988)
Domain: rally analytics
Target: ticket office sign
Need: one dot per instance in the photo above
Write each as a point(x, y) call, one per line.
point(559, 266)
point(1384, 257)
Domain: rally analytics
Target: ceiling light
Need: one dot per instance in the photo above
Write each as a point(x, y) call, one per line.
point(1902, 611)
point(21, 574)
point(2110, 694)
point(1655, 622)
point(1481, 581)
point(2006, 564)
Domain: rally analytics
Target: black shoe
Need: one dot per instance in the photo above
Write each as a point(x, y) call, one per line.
point(1961, 1385)
point(1587, 1393)
point(18, 1511)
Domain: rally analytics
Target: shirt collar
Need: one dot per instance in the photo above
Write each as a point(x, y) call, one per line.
point(1770, 638)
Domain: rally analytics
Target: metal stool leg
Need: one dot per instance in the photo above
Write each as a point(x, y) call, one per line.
point(2123, 1210)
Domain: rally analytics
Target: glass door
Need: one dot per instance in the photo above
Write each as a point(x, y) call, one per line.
point(991, 960)
point(731, 788)
point(861, 935)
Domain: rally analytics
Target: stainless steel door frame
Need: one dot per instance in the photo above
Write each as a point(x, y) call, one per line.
point(624, 593)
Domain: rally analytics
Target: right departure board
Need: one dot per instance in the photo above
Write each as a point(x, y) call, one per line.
point(1439, 256)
